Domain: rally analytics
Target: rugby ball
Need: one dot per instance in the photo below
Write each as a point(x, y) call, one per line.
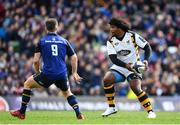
point(139, 67)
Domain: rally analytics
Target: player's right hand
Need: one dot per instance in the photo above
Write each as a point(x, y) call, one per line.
point(77, 78)
point(129, 66)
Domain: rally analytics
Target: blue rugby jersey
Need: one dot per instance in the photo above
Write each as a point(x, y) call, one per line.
point(53, 49)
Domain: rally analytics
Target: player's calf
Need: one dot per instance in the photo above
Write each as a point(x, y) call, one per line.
point(74, 104)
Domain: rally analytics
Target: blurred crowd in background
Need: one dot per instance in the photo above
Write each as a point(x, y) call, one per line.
point(85, 24)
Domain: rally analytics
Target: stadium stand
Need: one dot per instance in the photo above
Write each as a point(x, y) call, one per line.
point(84, 24)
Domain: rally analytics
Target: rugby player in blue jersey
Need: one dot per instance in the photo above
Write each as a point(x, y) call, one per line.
point(53, 50)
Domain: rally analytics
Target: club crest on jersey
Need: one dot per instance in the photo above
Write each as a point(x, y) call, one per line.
point(128, 42)
point(124, 52)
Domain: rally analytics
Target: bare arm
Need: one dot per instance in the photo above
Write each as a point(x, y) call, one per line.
point(74, 61)
point(147, 52)
point(36, 62)
point(115, 60)
point(74, 65)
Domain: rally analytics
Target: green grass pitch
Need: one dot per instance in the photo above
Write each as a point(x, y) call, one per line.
point(92, 117)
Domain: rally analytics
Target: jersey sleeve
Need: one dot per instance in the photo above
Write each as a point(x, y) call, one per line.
point(140, 41)
point(70, 50)
point(110, 48)
point(38, 47)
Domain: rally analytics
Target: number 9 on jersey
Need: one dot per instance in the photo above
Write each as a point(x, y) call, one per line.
point(54, 49)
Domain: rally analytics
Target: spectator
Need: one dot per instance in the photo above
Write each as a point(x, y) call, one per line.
point(84, 25)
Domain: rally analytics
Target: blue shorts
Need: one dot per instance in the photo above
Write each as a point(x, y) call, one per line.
point(44, 81)
point(119, 77)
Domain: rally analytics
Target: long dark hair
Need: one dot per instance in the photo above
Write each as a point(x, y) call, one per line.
point(120, 23)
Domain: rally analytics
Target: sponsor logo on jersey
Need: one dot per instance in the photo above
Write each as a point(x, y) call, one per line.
point(124, 52)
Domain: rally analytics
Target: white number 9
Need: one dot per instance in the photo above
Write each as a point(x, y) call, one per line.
point(54, 49)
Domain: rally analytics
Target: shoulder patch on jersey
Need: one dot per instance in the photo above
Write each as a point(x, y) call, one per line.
point(142, 39)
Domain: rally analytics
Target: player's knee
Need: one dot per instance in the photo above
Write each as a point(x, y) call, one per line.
point(67, 93)
point(136, 88)
point(107, 81)
point(27, 84)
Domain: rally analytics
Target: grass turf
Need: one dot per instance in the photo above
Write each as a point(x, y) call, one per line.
point(92, 117)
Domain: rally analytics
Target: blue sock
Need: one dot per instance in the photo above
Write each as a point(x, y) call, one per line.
point(74, 104)
point(25, 100)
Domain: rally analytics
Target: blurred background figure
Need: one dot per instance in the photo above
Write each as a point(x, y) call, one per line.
point(84, 24)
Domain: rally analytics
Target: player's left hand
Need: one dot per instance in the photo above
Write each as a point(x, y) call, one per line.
point(146, 64)
point(77, 78)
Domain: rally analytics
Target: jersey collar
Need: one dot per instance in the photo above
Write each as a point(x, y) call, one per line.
point(52, 33)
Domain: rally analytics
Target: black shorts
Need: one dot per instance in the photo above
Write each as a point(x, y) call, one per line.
point(43, 80)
